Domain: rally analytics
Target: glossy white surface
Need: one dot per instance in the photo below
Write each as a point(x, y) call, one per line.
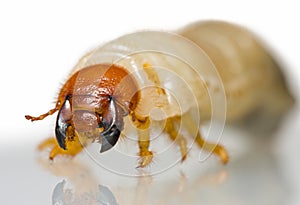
point(260, 172)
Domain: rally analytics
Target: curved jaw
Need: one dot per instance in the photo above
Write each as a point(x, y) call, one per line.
point(61, 136)
point(109, 138)
point(63, 123)
point(113, 124)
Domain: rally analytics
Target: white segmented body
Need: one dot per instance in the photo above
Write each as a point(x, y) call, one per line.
point(252, 78)
point(231, 71)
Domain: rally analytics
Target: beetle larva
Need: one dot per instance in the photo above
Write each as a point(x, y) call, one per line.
point(207, 71)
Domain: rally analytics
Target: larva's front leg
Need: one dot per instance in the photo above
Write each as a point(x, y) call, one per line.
point(142, 126)
point(73, 147)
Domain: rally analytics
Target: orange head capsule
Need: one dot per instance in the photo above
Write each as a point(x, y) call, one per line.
point(92, 104)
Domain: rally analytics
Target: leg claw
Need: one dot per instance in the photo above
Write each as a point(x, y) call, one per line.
point(145, 159)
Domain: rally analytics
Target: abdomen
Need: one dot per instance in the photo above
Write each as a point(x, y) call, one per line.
point(251, 76)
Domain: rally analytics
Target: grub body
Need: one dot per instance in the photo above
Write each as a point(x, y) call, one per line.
point(204, 72)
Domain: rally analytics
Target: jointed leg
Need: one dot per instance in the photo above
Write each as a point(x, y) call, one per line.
point(211, 147)
point(153, 76)
point(50, 142)
point(216, 149)
point(176, 137)
point(72, 147)
point(142, 126)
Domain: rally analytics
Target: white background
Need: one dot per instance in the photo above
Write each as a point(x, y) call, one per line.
point(40, 41)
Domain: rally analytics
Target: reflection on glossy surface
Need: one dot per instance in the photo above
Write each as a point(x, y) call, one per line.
point(106, 196)
point(252, 177)
point(76, 194)
point(263, 170)
point(62, 196)
point(80, 187)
